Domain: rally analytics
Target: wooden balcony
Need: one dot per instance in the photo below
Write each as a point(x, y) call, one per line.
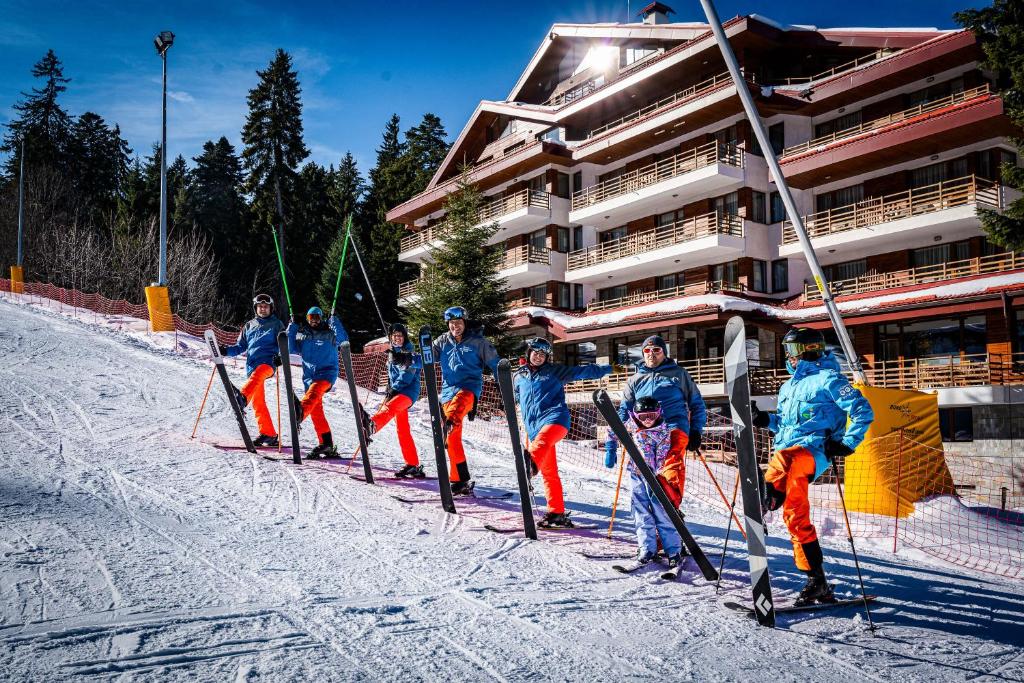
point(694, 289)
point(828, 73)
point(421, 237)
point(678, 165)
point(407, 289)
point(703, 371)
point(898, 117)
point(527, 253)
point(948, 371)
point(676, 233)
point(692, 93)
point(941, 272)
point(915, 202)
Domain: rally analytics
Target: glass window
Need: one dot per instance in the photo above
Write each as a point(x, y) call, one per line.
point(613, 234)
point(778, 209)
point(940, 253)
point(759, 278)
point(564, 298)
point(669, 218)
point(777, 137)
point(577, 181)
point(609, 293)
point(666, 281)
point(728, 135)
point(539, 239)
point(956, 424)
point(584, 353)
point(724, 272)
point(844, 122)
point(538, 183)
point(780, 275)
point(757, 207)
point(562, 235)
point(845, 271)
point(577, 297)
point(839, 198)
point(577, 237)
point(539, 295)
point(562, 185)
point(944, 337)
point(728, 205)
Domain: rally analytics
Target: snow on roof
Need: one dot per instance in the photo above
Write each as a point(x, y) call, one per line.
point(725, 302)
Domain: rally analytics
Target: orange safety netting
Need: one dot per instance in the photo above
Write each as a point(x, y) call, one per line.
point(969, 513)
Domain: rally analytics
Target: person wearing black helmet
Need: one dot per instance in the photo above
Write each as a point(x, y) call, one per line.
point(462, 353)
point(403, 390)
point(318, 341)
point(540, 392)
point(258, 341)
point(811, 432)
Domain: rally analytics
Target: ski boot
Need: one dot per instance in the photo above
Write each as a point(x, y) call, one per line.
point(324, 451)
point(369, 427)
point(264, 441)
point(533, 465)
point(297, 403)
point(676, 560)
point(815, 590)
point(411, 472)
point(243, 402)
point(771, 498)
point(463, 488)
point(556, 520)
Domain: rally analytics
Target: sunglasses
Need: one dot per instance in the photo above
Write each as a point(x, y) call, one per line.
point(652, 350)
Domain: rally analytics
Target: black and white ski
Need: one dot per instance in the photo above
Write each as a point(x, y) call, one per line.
point(737, 385)
point(286, 370)
point(791, 608)
point(607, 409)
point(633, 566)
point(444, 485)
point(218, 360)
point(357, 411)
point(509, 403)
point(519, 529)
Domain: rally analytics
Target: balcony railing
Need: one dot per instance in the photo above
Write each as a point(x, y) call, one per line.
point(501, 206)
point(694, 289)
point(915, 202)
point(680, 164)
point(940, 272)
point(418, 239)
point(693, 92)
point(948, 371)
point(587, 87)
point(898, 117)
point(407, 289)
point(675, 233)
point(860, 61)
point(703, 371)
point(523, 255)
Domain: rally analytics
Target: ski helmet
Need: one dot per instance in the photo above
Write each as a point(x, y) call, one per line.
point(539, 344)
point(401, 329)
point(455, 313)
point(802, 343)
point(315, 311)
point(263, 299)
point(645, 409)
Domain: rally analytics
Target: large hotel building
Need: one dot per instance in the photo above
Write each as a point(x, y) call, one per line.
point(633, 199)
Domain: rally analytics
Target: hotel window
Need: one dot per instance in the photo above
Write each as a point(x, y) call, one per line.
point(667, 281)
point(940, 253)
point(777, 137)
point(780, 275)
point(577, 237)
point(577, 181)
point(583, 353)
point(539, 295)
point(577, 297)
point(778, 209)
point(728, 135)
point(564, 295)
point(725, 272)
point(538, 183)
point(937, 173)
point(668, 218)
point(758, 213)
point(562, 235)
point(944, 337)
point(609, 293)
point(759, 277)
point(837, 125)
point(837, 199)
point(956, 424)
point(728, 205)
point(613, 234)
point(846, 270)
point(539, 239)
point(562, 185)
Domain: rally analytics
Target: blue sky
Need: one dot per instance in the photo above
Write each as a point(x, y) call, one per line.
point(358, 63)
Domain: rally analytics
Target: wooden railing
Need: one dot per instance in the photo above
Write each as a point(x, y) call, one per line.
point(693, 92)
point(694, 289)
point(423, 236)
point(680, 164)
point(959, 370)
point(898, 117)
point(940, 272)
point(915, 202)
point(676, 233)
point(589, 86)
point(526, 253)
point(795, 80)
point(489, 211)
point(406, 289)
point(703, 371)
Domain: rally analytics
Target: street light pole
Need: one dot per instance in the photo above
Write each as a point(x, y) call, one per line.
point(21, 202)
point(163, 43)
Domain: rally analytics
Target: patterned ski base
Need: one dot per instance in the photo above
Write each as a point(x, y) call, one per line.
point(519, 529)
point(793, 609)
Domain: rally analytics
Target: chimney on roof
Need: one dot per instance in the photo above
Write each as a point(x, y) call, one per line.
point(656, 13)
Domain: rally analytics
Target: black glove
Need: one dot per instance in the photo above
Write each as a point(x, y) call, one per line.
point(472, 413)
point(696, 439)
point(276, 360)
point(760, 418)
point(390, 395)
point(837, 449)
point(222, 350)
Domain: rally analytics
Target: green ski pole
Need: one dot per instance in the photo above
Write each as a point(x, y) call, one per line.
point(341, 266)
point(284, 280)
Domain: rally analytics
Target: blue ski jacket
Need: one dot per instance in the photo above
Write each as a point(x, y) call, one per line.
point(462, 363)
point(682, 406)
point(404, 371)
point(540, 392)
point(258, 341)
point(318, 347)
point(813, 407)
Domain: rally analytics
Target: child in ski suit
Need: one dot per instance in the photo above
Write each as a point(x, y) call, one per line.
point(540, 392)
point(258, 341)
point(653, 436)
point(810, 433)
point(403, 390)
point(318, 343)
point(463, 354)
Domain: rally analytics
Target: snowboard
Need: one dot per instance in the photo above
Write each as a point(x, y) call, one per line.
point(286, 370)
point(218, 360)
point(444, 485)
point(357, 410)
point(509, 403)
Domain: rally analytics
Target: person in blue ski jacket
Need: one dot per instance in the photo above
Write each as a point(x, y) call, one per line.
point(403, 368)
point(258, 341)
point(811, 433)
point(539, 387)
point(318, 342)
point(679, 400)
point(463, 354)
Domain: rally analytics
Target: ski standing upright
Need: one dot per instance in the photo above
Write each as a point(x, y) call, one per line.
point(218, 360)
point(751, 480)
point(286, 369)
point(509, 403)
point(436, 423)
point(357, 410)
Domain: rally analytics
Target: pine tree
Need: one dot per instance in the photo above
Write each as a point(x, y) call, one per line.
point(345, 195)
point(98, 159)
point(41, 121)
point(1000, 30)
point(461, 272)
point(425, 149)
point(274, 147)
point(317, 213)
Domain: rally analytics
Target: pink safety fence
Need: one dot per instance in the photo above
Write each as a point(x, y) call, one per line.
point(974, 517)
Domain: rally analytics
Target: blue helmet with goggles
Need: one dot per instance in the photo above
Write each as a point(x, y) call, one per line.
point(455, 313)
point(540, 344)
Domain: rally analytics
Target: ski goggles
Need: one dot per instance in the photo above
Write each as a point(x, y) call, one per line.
point(262, 299)
point(455, 313)
point(542, 345)
point(797, 349)
point(647, 415)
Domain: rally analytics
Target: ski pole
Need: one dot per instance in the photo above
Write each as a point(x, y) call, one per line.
point(728, 530)
point(284, 280)
point(341, 266)
point(615, 503)
point(732, 510)
point(203, 404)
point(853, 549)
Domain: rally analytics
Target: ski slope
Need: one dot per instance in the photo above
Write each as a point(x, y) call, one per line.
point(130, 552)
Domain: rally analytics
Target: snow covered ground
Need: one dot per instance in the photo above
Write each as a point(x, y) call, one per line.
point(130, 552)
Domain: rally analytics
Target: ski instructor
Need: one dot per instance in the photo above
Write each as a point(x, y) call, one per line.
point(258, 341)
point(318, 342)
point(810, 433)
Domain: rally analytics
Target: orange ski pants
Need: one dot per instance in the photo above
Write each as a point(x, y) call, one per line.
point(313, 407)
point(256, 397)
point(455, 412)
point(791, 471)
point(673, 471)
point(397, 407)
point(542, 450)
